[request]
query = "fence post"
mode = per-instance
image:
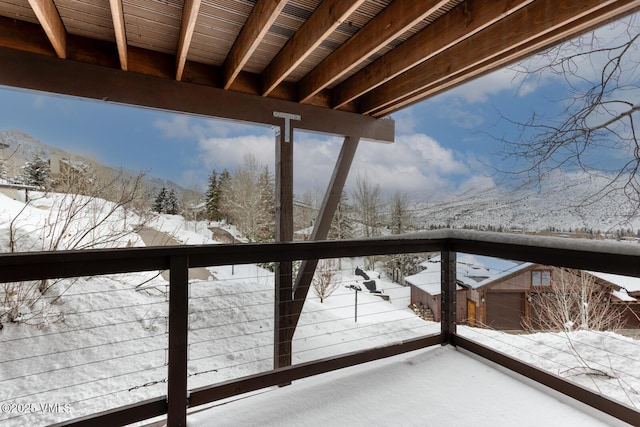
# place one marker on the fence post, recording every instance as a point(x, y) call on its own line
point(448, 301)
point(178, 330)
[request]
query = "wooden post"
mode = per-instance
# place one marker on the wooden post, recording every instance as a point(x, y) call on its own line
point(323, 223)
point(178, 331)
point(448, 302)
point(284, 233)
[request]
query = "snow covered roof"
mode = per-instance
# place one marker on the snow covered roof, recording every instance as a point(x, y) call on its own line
point(631, 284)
point(509, 271)
point(472, 271)
point(623, 296)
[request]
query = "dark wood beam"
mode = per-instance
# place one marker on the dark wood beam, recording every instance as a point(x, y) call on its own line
point(189, 17)
point(320, 25)
point(49, 18)
point(283, 328)
point(117, 15)
point(323, 224)
point(393, 21)
point(50, 74)
point(262, 16)
point(537, 26)
point(462, 22)
point(177, 373)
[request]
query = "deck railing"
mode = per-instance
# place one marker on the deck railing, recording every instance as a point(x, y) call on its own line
point(593, 255)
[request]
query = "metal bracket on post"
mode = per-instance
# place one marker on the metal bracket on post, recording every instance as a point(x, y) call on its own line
point(448, 303)
point(287, 122)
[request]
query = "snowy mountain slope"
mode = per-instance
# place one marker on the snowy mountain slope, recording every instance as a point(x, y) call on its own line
point(22, 147)
point(564, 202)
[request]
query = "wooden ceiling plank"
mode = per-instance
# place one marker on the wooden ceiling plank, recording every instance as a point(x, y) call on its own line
point(324, 20)
point(117, 15)
point(394, 20)
point(538, 25)
point(462, 22)
point(262, 16)
point(49, 18)
point(189, 17)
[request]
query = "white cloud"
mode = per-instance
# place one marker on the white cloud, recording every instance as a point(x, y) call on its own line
point(176, 126)
point(414, 164)
point(230, 152)
point(184, 126)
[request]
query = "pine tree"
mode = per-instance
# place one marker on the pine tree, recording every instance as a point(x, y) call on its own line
point(160, 202)
point(37, 172)
point(267, 206)
point(171, 203)
point(213, 197)
point(224, 193)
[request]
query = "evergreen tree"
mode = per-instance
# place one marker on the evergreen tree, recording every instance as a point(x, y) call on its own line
point(213, 197)
point(267, 206)
point(160, 202)
point(37, 172)
point(224, 194)
point(171, 205)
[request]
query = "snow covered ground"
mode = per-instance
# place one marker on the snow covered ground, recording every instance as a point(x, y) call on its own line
point(97, 343)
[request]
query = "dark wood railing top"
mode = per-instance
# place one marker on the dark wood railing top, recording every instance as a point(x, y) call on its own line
point(596, 255)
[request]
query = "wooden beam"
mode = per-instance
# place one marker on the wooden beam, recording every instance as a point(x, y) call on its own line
point(320, 25)
point(393, 21)
point(49, 18)
point(283, 331)
point(323, 224)
point(189, 17)
point(262, 16)
point(462, 22)
point(117, 15)
point(46, 73)
point(539, 25)
point(177, 397)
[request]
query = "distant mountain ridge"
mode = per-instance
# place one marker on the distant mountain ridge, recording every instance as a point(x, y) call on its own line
point(555, 204)
point(19, 147)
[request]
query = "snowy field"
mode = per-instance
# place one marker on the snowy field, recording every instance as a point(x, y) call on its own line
point(97, 343)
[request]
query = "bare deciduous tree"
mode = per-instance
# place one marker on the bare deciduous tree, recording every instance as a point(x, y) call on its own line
point(247, 200)
point(401, 217)
point(325, 280)
point(573, 301)
point(596, 133)
point(368, 205)
point(93, 212)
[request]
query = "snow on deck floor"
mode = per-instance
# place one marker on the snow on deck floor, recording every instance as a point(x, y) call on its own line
point(434, 387)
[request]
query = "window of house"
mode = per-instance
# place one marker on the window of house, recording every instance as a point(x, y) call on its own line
point(541, 278)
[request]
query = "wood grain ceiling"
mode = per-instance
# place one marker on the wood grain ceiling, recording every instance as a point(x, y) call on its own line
point(370, 57)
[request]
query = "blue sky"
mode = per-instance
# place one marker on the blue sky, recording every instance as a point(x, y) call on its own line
point(445, 143)
point(438, 144)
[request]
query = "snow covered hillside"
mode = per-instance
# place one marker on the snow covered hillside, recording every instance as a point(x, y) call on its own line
point(563, 202)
